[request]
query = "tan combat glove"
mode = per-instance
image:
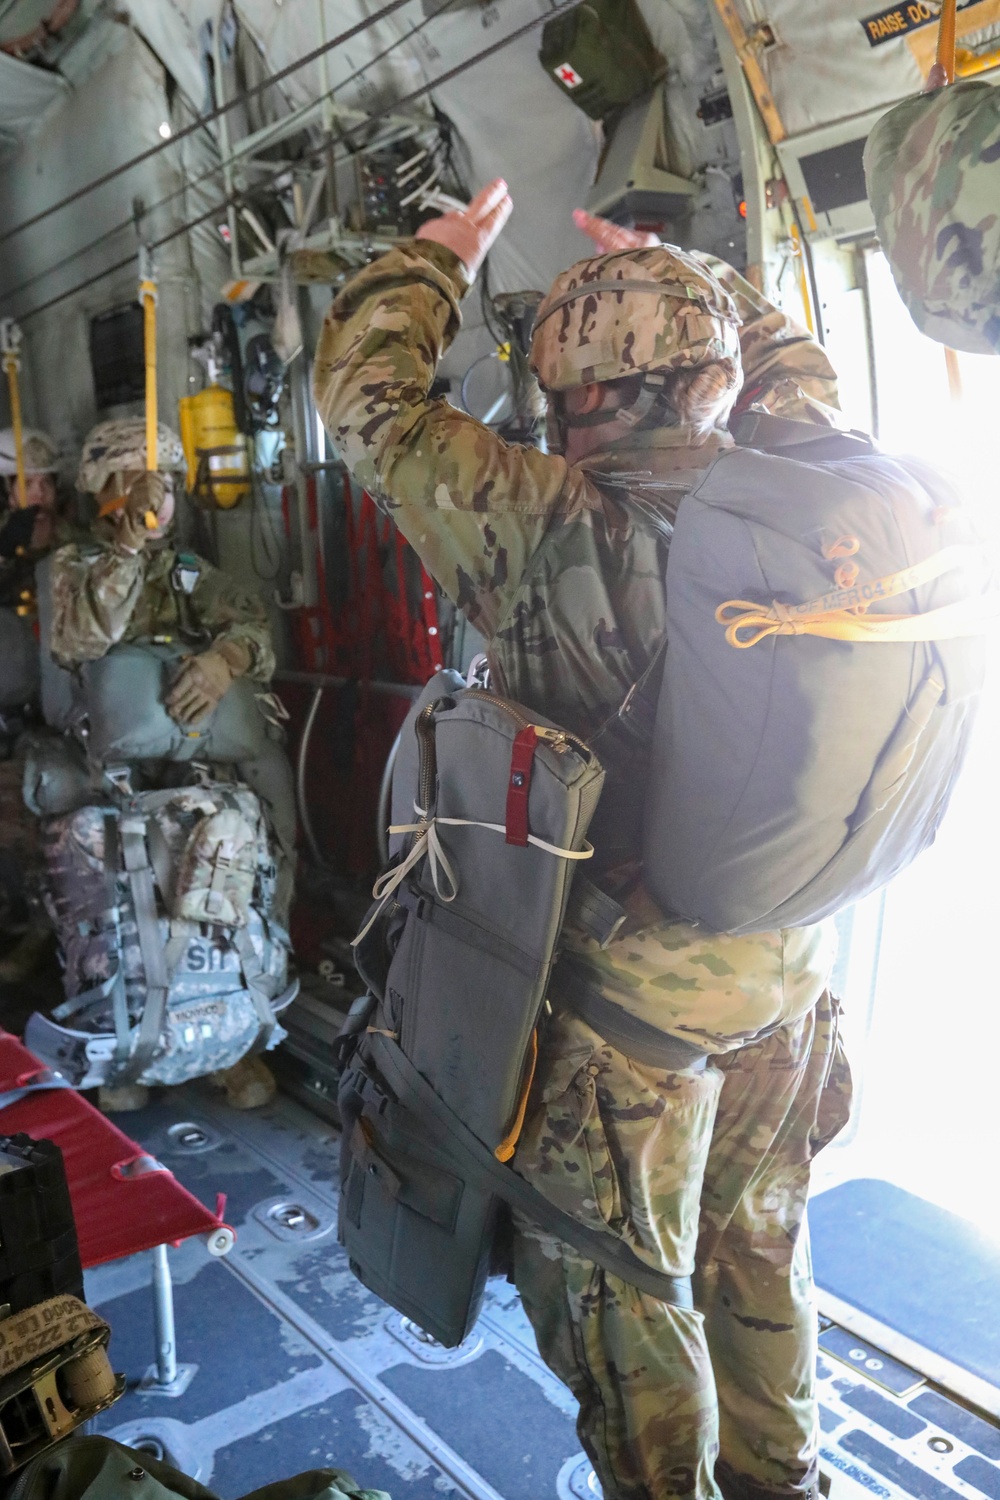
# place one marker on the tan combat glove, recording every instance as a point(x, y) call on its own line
point(204, 680)
point(146, 497)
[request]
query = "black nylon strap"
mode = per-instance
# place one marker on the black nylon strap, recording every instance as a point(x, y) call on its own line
point(629, 1034)
point(477, 1164)
point(426, 909)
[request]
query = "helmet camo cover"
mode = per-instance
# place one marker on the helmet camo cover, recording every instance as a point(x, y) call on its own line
point(645, 311)
point(119, 445)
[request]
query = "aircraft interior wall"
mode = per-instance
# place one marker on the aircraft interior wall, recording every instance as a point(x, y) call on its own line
point(286, 1359)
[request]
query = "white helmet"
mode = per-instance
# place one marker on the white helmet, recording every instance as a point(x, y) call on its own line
point(120, 445)
point(40, 452)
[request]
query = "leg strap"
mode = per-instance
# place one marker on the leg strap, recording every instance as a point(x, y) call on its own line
point(634, 1037)
point(476, 1164)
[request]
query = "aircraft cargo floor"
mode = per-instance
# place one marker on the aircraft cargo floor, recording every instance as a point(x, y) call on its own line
point(299, 1367)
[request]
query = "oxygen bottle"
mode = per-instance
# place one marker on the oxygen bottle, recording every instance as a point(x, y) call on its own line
point(215, 449)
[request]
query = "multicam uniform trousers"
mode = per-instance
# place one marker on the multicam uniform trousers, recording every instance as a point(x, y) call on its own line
point(701, 1172)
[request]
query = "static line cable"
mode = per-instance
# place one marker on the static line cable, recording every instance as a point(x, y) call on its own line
point(374, 119)
point(189, 186)
point(122, 265)
point(215, 114)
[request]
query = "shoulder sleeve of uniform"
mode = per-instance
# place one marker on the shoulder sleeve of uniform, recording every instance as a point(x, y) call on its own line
point(473, 507)
point(230, 612)
point(785, 369)
point(94, 592)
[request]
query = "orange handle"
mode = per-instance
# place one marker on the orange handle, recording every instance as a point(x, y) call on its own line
point(946, 38)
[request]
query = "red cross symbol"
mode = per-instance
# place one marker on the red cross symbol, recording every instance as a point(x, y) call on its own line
point(568, 75)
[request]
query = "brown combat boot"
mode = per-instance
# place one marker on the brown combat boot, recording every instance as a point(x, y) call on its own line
point(248, 1083)
point(122, 1099)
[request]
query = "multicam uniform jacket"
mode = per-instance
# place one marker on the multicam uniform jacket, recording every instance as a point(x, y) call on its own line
point(565, 581)
point(102, 596)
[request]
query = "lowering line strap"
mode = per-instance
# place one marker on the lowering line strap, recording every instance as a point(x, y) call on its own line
point(478, 1166)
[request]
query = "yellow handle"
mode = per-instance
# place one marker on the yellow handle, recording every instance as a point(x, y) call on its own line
point(147, 292)
point(11, 364)
point(507, 1146)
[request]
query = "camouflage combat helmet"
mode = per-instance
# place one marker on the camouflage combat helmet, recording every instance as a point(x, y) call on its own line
point(119, 446)
point(933, 170)
point(648, 311)
point(40, 452)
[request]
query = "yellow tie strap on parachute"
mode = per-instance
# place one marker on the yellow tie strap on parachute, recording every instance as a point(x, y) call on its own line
point(427, 843)
point(842, 614)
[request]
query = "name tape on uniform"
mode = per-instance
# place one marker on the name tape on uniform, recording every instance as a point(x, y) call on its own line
point(898, 20)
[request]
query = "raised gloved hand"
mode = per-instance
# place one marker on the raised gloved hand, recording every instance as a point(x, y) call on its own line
point(608, 237)
point(18, 530)
point(150, 495)
point(472, 232)
point(204, 680)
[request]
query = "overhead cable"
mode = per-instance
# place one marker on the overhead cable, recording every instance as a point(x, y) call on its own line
point(409, 98)
point(213, 171)
point(199, 124)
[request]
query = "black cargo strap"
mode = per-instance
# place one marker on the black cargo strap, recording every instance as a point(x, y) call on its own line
point(476, 1164)
point(620, 1029)
point(629, 729)
point(757, 428)
point(140, 875)
point(598, 914)
point(427, 909)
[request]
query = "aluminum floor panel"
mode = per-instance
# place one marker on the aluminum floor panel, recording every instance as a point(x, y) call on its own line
point(300, 1367)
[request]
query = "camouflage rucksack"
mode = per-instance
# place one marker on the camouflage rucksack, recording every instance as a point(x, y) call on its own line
point(175, 964)
point(101, 1469)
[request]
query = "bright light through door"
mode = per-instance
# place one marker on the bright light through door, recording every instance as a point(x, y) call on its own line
point(929, 1116)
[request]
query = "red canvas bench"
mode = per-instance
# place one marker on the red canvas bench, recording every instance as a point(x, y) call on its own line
point(123, 1200)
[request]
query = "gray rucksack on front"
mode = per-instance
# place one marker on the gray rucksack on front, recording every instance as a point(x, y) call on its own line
point(793, 773)
point(458, 957)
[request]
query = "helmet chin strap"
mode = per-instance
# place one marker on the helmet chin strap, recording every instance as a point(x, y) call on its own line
point(648, 403)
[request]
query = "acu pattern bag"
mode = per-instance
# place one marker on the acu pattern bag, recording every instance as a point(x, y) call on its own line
point(175, 966)
point(458, 954)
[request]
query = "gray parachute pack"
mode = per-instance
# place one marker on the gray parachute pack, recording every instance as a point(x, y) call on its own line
point(826, 616)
